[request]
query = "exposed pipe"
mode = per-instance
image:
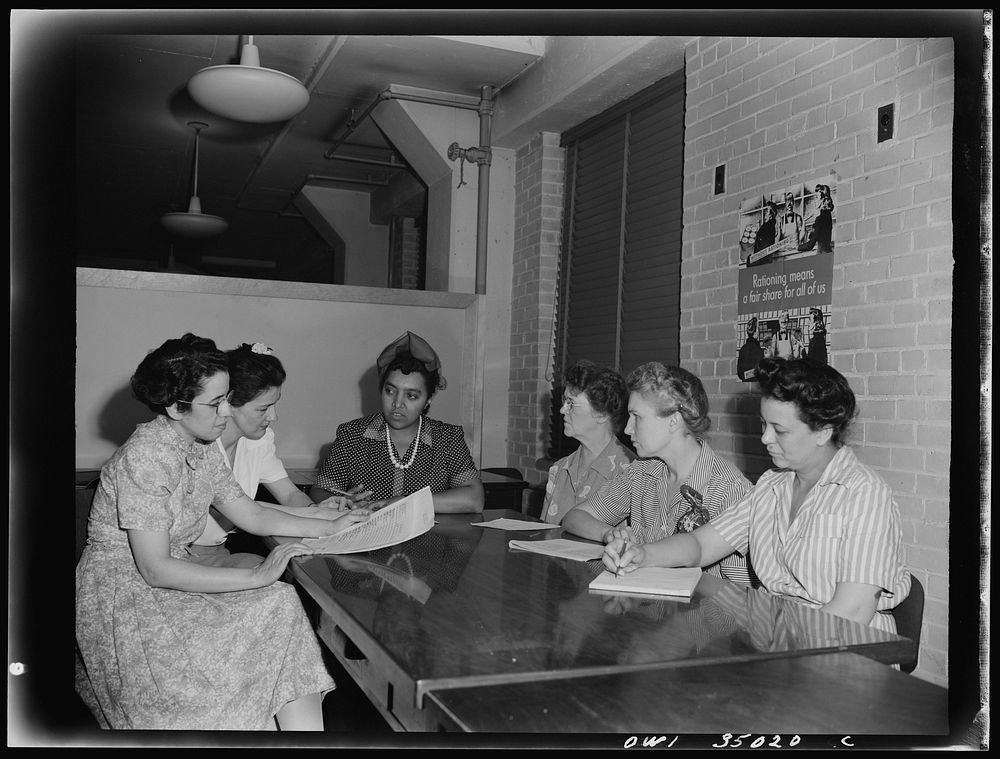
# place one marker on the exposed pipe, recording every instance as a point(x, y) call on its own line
point(482, 156)
point(390, 164)
point(325, 178)
point(483, 210)
point(355, 123)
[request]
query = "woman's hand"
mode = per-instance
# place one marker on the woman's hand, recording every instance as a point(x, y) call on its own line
point(621, 556)
point(358, 497)
point(340, 521)
point(376, 505)
point(274, 565)
point(621, 532)
point(338, 502)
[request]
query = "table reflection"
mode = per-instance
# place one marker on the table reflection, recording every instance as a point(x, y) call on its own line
point(457, 603)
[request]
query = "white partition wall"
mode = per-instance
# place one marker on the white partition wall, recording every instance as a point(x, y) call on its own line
point(327, 337)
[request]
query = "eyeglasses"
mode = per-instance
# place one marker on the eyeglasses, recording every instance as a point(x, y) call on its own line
point(215, 405)
point(573, 405)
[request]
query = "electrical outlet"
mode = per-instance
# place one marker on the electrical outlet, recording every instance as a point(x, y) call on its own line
point(885, 119)
point(720, 179)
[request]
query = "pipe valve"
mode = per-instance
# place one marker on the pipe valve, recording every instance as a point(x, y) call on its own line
point(478, 156)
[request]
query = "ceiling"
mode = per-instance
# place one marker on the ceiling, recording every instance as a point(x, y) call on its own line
point(135, 148)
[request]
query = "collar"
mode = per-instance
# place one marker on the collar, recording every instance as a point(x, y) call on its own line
point(193, 451)
point(701, 473)
point(840, 467)
point(603, 464)
point(837, 472)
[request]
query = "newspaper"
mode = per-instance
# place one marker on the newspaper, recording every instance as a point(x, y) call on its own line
point(405, 519)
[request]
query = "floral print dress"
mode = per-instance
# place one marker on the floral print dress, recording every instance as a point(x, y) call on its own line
point(158, 658)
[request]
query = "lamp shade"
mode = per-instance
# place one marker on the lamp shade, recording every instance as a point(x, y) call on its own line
point(194, 223)
point(248, 92)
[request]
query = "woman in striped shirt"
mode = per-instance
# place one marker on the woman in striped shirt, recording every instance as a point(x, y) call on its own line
point(821, 527)
point(678, 483)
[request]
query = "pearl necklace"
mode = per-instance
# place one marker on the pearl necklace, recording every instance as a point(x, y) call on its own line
point(416, 445)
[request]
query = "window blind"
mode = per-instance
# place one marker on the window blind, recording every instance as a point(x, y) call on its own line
point(619, 290)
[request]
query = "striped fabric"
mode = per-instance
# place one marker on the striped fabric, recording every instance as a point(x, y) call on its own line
point(847, 530)
point(641, 495)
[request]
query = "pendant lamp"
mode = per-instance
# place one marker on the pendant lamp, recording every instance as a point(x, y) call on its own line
point(248, 92)
point(194, 223)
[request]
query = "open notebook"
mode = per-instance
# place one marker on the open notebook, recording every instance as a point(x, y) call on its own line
point(658, 581)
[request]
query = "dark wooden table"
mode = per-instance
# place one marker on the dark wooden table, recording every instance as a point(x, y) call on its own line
point(821, 694)
point(455, 608)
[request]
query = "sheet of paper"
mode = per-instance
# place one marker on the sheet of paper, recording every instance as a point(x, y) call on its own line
point(516, 524)
point(563, 549)
point(660, 581)
point(389, 526)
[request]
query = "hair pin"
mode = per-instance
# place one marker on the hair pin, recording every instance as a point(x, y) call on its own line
point(261, 349)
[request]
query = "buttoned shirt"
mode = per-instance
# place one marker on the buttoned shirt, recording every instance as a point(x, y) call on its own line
point(847, 530)
point(571, 483)
point(360, 458)
point(655, 510)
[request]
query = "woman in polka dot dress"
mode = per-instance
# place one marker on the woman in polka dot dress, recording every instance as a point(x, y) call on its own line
point(400, 450)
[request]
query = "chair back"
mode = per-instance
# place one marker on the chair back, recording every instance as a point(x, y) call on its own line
point(84, 498)
point(505, 471)
point(909, 616)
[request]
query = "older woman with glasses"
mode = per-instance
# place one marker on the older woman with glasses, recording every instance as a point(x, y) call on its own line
point(678, 484)
point(593, 411)
point(158, 633)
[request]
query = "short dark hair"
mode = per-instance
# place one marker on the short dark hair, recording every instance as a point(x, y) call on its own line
point(252, 373)
point(407, 364)
point(821, 394)
point(676, 389)
point(604, 387)
point(175, 372)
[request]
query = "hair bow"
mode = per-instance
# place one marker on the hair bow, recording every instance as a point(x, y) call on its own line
point(413, 344)
point(261, 349)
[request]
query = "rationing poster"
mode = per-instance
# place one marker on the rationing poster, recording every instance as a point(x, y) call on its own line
point(786, 275)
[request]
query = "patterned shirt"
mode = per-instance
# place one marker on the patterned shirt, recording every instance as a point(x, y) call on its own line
point(641, 495)
point(570, 483)
point(359, 457)
point(847, 530)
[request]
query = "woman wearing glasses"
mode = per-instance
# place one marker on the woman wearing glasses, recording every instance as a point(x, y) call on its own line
point(156, 632)
point(255, 379)
point(593, 412)
point(678, 483)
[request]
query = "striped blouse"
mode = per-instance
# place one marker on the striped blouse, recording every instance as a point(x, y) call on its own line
point(847, 530)
point(641, 494)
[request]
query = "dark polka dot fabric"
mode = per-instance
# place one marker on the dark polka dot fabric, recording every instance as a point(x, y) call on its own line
point(359, 457)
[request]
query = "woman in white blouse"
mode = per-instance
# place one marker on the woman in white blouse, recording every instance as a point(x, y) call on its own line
point(821, 527)
point(255, 379)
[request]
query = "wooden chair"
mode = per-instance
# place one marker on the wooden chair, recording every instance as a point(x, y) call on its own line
point(909, 616)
